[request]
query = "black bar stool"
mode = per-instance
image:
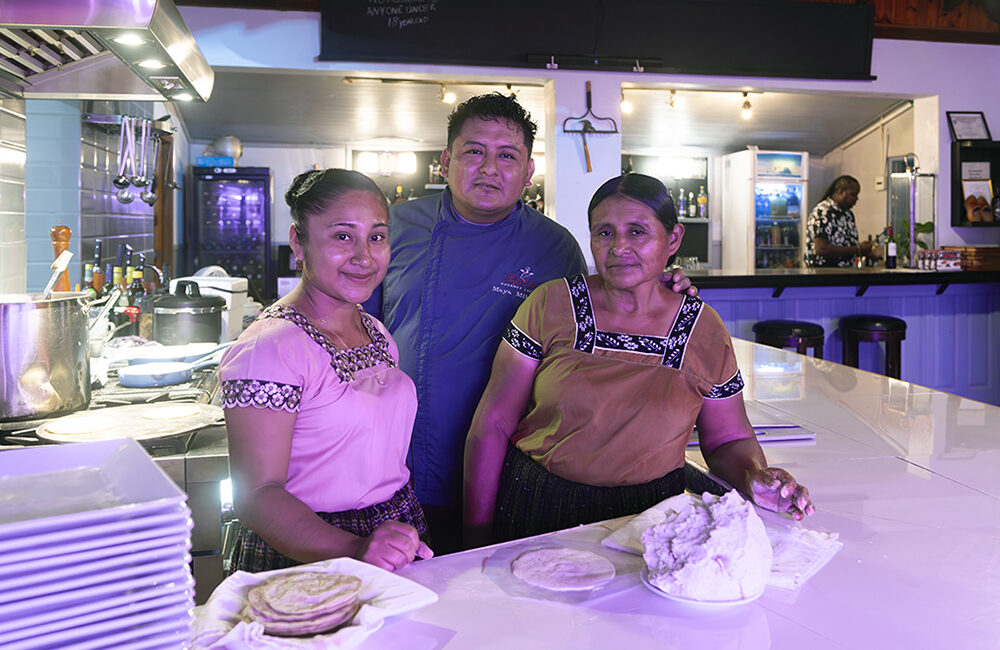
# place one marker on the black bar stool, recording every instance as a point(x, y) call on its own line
point(790, 334)
point(874, 328)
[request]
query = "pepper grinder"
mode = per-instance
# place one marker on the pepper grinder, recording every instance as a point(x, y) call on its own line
point(60, 242)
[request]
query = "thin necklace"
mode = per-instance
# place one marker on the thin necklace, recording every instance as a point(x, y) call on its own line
point(378, 378)
point(335, 335)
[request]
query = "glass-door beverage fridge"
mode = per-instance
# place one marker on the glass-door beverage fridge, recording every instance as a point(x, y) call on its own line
point(228, 224)
point(764, 201)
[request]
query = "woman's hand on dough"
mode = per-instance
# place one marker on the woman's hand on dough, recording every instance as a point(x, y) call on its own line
point(392, 546)
point(775, 489)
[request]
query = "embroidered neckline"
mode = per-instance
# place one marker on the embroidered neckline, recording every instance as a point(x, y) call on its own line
point(345, 362)
point(669, 348)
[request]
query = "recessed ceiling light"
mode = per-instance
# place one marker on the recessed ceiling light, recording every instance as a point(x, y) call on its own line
point(129, 39)
point(151, 64)
point(183, 97)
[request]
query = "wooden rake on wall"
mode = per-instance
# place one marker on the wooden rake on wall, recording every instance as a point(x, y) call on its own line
point(585, 124)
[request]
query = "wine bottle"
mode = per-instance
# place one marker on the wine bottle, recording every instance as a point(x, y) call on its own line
point(109, 282)
point(135, 288)
point(99, 278)
point(890, 250)
point(88, 281)
point(692, 207)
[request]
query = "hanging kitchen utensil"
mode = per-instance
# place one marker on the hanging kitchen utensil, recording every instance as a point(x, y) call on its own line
point(124, 194)
point(149, 194)
point(121, 181)
point(139, 178)
point(584, 124)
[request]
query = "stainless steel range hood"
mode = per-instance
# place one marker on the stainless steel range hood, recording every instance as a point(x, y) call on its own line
point(137, 50)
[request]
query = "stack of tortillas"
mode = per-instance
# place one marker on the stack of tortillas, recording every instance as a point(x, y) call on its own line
point(303, 602)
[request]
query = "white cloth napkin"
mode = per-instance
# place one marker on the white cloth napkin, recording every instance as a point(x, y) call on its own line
point(218, 623)
point(798, 552)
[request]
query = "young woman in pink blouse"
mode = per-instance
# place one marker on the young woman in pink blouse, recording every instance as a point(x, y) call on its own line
point(318, 414)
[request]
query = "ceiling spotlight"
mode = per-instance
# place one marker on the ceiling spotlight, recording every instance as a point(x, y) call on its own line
point(184, 97)
point(129, 38)
point(625, 105)
point(746, 110)
point(447, 96)
point(151, 64)
point(671, 98)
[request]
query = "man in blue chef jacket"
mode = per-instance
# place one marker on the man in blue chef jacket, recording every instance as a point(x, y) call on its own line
point(462, 262)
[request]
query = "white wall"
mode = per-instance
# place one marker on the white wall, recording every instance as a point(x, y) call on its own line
point(864, 158)
point(951, 76)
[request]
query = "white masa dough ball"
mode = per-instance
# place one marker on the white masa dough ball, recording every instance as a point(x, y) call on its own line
point(714, 549)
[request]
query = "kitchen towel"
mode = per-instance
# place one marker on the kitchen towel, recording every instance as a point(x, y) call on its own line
point(798, 552)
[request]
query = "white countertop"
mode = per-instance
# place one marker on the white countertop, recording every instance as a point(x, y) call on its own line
point(908, 477)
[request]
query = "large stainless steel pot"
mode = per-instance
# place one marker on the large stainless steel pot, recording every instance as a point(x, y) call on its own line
point(44, 355)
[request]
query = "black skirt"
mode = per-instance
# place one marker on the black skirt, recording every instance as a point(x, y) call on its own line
point(251, 553)
point(532, 501)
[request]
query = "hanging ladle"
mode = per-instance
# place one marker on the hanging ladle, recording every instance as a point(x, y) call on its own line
point(149, 194)
point(124, 194)
point(139, 178)
point(121, 181)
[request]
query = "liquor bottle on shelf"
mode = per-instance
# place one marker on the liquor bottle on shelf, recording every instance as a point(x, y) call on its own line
point(109, 283)
point(692, 206)
point(135, 288)
point(116, 279)
point(628, 167)
point(890, 250)
point(99, 278)
point(681, 204)
point(88, 281)
point(398, 196)
point(702, 203)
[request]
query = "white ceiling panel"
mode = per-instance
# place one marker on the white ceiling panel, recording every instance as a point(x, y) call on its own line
point(317, 109)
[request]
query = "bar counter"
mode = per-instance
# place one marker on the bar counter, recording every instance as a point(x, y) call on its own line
point(952, 317)
point(780, 279)
point(905, 475)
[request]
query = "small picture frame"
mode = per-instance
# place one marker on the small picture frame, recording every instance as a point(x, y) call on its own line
point(968, 125)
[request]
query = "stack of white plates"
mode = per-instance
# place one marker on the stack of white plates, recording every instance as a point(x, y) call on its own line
point(95, 547)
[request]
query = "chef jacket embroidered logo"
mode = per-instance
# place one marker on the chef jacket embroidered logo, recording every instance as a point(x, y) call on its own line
point(516, 283)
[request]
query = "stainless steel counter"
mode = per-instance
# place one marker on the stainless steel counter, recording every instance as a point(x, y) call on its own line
point(199, 473)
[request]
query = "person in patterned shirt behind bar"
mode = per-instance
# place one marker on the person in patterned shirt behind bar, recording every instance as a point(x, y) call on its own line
point(831, 232)
point(594, 392)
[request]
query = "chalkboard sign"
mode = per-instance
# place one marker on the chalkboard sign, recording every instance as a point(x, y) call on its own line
point(727, 37)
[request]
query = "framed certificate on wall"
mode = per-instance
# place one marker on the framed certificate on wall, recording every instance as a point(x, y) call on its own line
point(968, 125)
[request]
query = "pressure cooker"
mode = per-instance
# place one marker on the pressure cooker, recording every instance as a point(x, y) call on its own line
point(186, 316)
